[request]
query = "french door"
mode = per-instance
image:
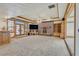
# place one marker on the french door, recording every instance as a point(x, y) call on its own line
point(11, 27)
point(20, 29)
point(17, 29)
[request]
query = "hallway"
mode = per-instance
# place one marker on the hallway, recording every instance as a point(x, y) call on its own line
point(35, 46)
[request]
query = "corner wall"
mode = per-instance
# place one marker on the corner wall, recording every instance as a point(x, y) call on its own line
point(77, 31)
point(69, 27)
point(3, 24)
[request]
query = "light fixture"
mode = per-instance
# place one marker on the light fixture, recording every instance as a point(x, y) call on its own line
point(51, 6)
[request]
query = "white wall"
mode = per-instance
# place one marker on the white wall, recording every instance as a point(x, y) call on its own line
point(70, 35)
point(70, 26)
point(70, 32)
point(77, 27)
point(3, 23)
point(3, 14)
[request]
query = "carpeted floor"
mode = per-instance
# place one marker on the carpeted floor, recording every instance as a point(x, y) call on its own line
point(35, 46)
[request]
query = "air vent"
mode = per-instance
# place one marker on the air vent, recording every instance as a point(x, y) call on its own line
point(51, 6)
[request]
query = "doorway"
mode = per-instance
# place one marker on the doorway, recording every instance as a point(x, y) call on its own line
point(20, 29)
point(11, 27)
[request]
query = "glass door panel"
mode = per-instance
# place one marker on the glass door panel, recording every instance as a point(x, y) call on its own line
point(22, 29)
point(11, 28)
point(18, 30)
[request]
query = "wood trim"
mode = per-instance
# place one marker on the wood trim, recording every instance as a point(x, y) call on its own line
point(32, 21)
point(66, 10)
point(22, 20)
point(70, 8)
point(51, 21)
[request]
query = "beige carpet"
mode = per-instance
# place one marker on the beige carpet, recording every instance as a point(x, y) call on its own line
point(35, 46)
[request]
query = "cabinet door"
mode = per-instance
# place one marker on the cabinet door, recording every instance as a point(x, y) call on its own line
point(59, 28)
point(6, 37)
point(1, 37)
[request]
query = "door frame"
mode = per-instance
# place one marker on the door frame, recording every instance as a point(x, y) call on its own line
point(20, 29)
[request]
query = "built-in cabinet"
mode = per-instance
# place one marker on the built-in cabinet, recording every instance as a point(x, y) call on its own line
point(46, 28)
point(57, 29)
point(4, 37)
